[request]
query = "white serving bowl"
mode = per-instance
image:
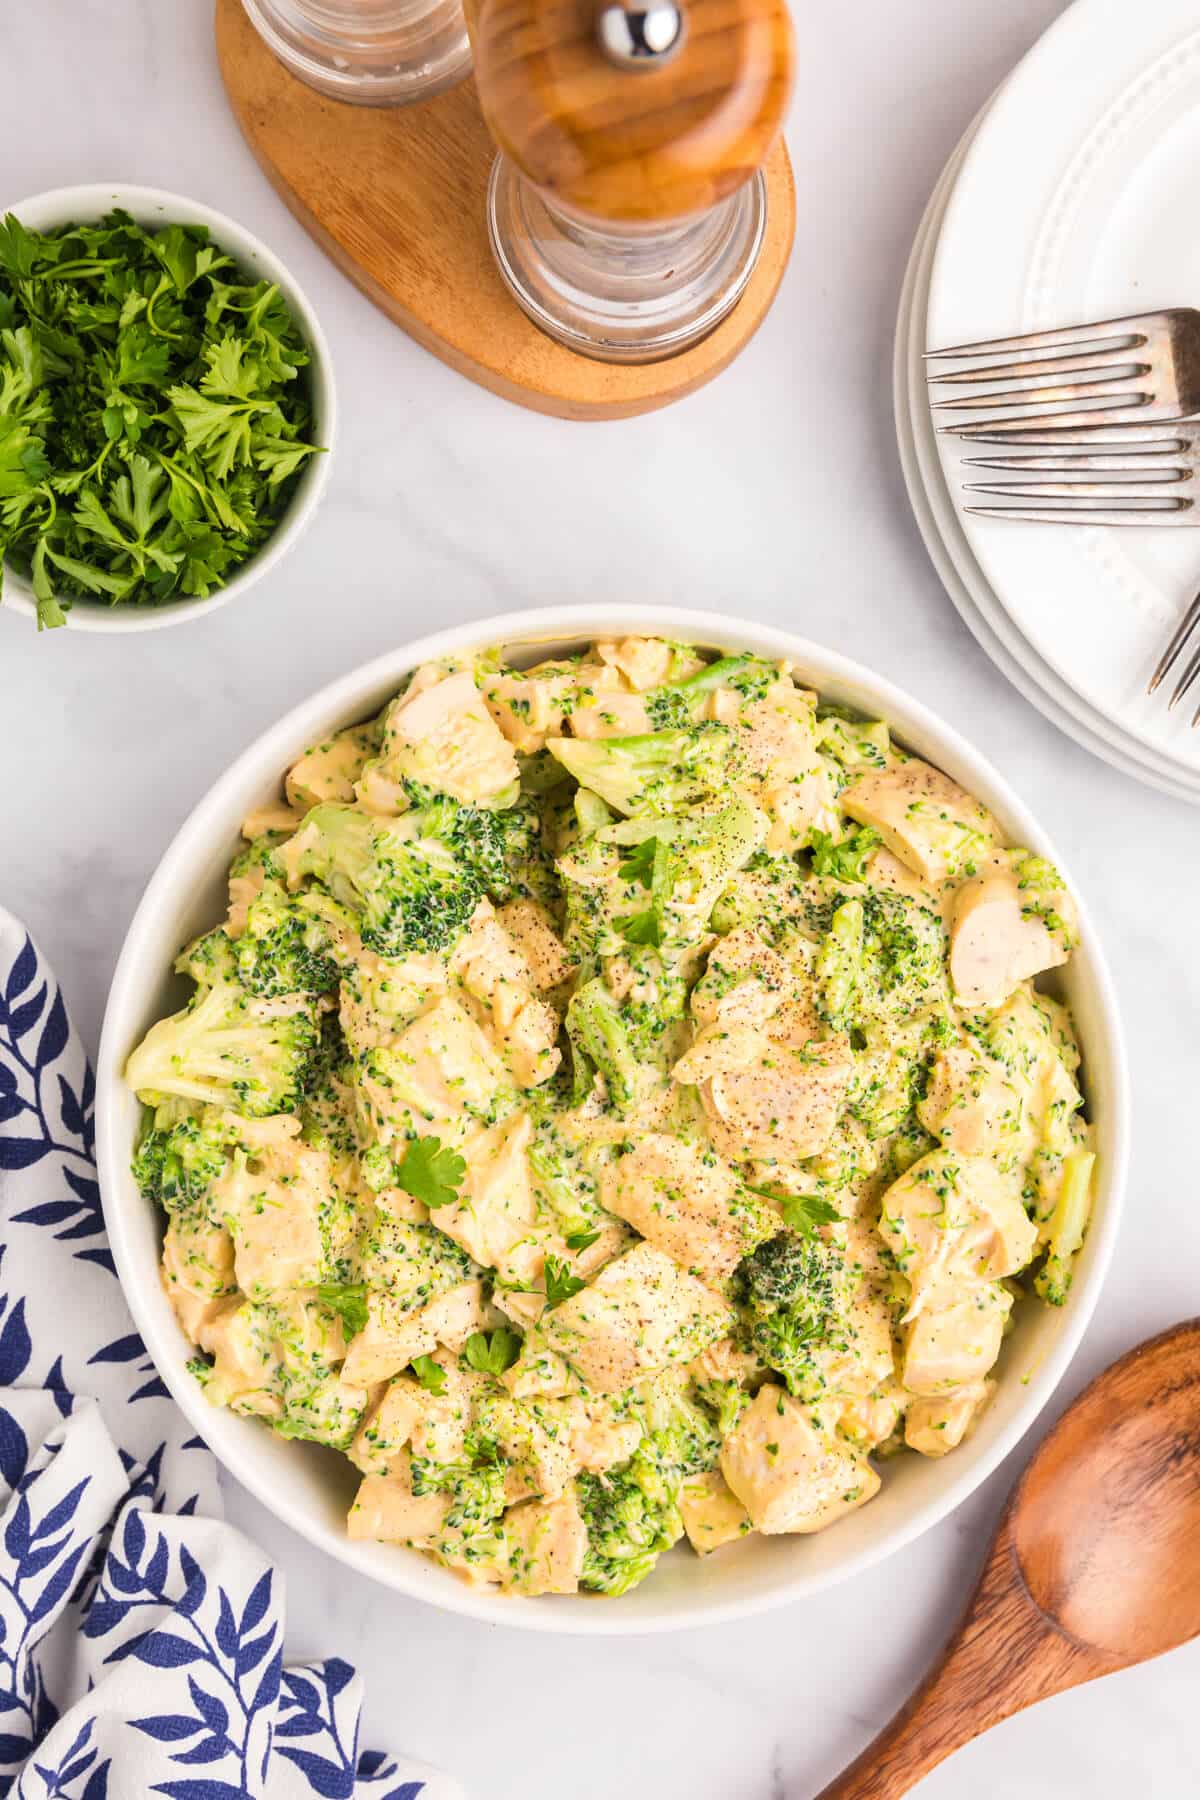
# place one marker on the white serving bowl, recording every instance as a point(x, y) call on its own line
point(154, 207)
point(310, 1488)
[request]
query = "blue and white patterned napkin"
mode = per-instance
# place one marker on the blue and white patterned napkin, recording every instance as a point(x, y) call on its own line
point(141, 1638)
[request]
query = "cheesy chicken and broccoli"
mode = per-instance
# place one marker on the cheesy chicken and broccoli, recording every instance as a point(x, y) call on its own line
point(616, 1106)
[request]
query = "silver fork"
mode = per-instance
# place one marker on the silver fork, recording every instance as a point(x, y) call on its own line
point(1172, 653)
point(1145, 468)
point(1149, 362)
point(1122, 475)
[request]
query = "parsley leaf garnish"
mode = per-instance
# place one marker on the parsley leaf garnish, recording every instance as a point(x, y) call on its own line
point(560, 1283)
point(638, 863)
point(490, 1353)
point(802, 1213)
point(430, 1374)
point(430, 1173)
point(581, 1240)
point(349, 1300)
point(641, 928)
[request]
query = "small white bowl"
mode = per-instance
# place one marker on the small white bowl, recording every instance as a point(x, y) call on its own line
point(310, 1488)
point(154, 207)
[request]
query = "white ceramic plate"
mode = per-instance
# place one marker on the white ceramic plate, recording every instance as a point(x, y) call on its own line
point(951, 553)
point(308, 1488)
point(1074, 203)
point(153, 207)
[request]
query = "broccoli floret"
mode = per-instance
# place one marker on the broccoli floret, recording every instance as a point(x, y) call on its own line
point(677, 703)
point(209, 959)
point(627, 1530)
point(288, 947)
point(228, 1049)
point(475, 1482)
point(600, 1038)
point(661, 771)
point(177, 1160)
point(687, 861)
point(787, 1297)
point(410, 892)
point(1068, 1228)
point(844, 859)
point(501, 848)
point(259, 854)
point(632, 1514)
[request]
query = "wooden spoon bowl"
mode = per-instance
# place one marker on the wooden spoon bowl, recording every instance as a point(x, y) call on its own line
point(1095, 1567)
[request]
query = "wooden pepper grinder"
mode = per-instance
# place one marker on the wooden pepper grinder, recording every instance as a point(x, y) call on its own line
point(627, 205)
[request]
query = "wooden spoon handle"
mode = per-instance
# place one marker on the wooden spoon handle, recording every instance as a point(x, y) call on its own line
point(1006, 1655)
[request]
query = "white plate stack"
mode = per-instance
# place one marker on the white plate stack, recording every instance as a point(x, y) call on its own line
point(1071, 198)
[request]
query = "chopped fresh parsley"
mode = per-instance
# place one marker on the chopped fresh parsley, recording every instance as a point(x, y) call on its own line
point(581, 1240)
point(154, 412)
point(430, 1173)
point(638, 863)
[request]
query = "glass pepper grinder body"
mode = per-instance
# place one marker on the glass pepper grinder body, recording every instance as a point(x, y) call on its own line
point(627, 206)
point(369, 52)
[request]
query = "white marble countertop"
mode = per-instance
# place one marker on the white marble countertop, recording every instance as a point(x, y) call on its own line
point(775, 492)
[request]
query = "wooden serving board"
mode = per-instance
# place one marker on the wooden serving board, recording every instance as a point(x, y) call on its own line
point(396, 196)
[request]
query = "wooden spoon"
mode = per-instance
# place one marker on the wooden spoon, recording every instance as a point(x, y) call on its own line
point(1095, 1567)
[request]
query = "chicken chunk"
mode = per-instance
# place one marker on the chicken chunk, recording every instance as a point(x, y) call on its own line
point(783, 769)
point(531, 929)
point(546, 1542)
point(924, 818)
point(648, 662)
point(1005, 930)
point(395, 1332)
point(499, 983)
point(952, 1346)
point(440, 1068)
point(974, 1107)
point(530, 705)
point(689, 1203)
point(936, 1426)
point(445, 737)
point(385, 1508)
point(789, 1473)
point(273, 1194)
point(711, 1512)
point(787, 1107)
point(641, 1314)
point(495, 1208)
point(329, 771)
point(952, 1221)
point(388, 1426)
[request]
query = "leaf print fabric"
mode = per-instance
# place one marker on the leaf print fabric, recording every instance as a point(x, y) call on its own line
point(141, 1638)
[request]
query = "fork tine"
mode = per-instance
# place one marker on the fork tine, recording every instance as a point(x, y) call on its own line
point(1187, 625)
point(1107, 389)
point(1120, 464)
point(1130, 491)
point(1108, 332)
point(1180, 513)
point(1022, 430)
point(1046, 365)
point(1161, 435)
point(1187, 680)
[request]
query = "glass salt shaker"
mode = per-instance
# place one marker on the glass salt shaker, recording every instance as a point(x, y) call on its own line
point(370, 52)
